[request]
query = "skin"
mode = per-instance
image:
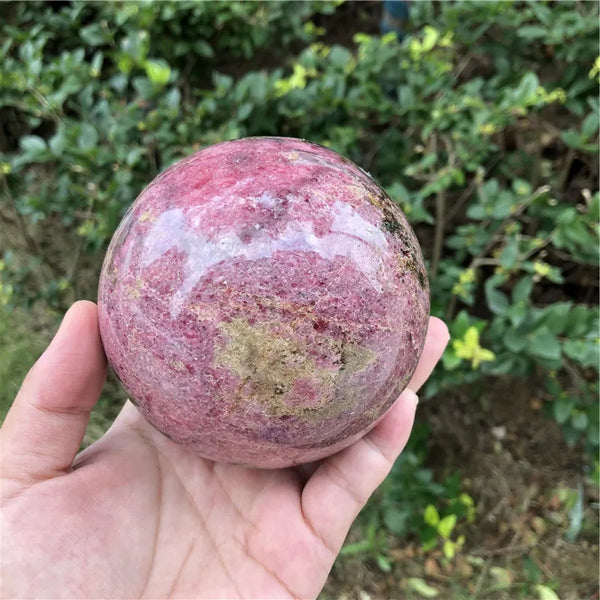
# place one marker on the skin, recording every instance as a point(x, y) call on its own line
point(136, 516)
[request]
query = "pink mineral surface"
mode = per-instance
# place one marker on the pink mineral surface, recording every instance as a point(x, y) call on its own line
point(263, 302)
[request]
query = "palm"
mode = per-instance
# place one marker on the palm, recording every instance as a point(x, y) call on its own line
point(138, 516)
point(206, 529)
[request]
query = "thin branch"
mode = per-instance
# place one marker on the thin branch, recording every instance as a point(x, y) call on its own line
point(495, 239)
point(456, 206)
point(517, 549)
point(480, 581)
point(438, 240)
point(440, 221)
point(566, 169)
point(42, 100)
point(31, 243)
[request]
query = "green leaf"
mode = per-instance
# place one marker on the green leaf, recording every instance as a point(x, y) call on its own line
point(515, 340)
point(58, 142)
point(93, 34)
point(521, 187)
point(496, 300)
point(384, 563)
point(88, 137)
point(522, 289)
point(446, 525)
point(421, 587)
point(527, 88)
point(395, 520)
point(406, 96)
point(576, 516)
point(461, 324)
point(532, 571)
point(585, 352)
point(532, 32)
point(96, 64)
point(173, 98)
point(579, 320)
point(572, 138)
point(431, 515)
point(503, 206)
point(449, 359)
point(144, 87)
point(32, 144)
point(561, 409)
point(517, 313)
point(124, 63)
point(136, 46)
point(356, 548)
point(339, 56)
point(134, 155)
point(204, 49)
point(510, 254)
point(244, 111)
point(488, 191)
point(158, 71)
point(555, 317)
point(544, 344)
point(579, 421)
point(590, 125)
point(477, 212)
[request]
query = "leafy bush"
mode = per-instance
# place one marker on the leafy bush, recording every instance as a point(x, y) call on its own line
point(482, 124)
point(19, 348)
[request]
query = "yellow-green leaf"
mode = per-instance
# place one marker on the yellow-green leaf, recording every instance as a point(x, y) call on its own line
point(431, 515)
point(446, 525)
point(503, 577)
point(421, 587)
point(545, 593)
point(158, 71)
point(449, 549)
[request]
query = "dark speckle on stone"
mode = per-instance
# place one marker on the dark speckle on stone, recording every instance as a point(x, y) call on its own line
point(391, 225)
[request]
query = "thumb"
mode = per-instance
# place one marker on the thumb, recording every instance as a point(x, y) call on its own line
point(44, 428)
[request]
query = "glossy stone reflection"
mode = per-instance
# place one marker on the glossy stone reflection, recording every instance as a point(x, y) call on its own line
point(263, 302)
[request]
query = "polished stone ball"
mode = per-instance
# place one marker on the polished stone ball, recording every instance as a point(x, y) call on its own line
point(264, 302)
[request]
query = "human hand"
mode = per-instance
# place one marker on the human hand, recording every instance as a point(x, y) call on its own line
point(137, 516)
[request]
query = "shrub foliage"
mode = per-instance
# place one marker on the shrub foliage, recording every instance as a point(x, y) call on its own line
point(482, 125)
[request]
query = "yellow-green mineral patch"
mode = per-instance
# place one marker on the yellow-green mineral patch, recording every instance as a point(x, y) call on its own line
point(356, 358)
point(271, 363)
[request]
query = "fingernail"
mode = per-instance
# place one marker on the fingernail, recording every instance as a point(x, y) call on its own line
point(411, 396)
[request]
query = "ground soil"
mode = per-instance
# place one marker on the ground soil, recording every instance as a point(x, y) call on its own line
point(513, 460)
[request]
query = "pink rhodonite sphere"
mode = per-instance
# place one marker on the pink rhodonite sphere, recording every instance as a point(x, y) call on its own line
point(264, 302)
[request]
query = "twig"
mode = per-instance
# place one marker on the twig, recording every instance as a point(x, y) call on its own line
point(374, 150)
point(42, 100)
point(480, 581)
point(533, 251)
point(495, 239)
point(440, 217)
point(573, 372)
point(70, 273)
point(567, 168)
point(438, 240)
point(501, 551)
point(456, 206)
point(462, 66)
point(31, 243)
